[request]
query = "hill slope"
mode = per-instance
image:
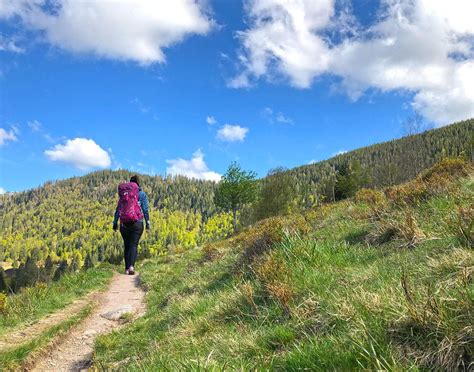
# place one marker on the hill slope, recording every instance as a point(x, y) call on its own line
point(72, 218)
point(392, 162)
point(378, 283)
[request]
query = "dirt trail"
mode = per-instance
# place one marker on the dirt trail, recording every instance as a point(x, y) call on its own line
point(74, 352)
point(30, 331)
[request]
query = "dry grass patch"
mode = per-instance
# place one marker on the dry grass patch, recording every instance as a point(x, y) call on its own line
point(401, 226)
point(439, 178)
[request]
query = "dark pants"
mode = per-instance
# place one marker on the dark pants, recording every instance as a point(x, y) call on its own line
point(131, 234)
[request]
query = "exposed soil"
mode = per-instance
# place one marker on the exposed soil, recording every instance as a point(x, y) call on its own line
point(74, 351)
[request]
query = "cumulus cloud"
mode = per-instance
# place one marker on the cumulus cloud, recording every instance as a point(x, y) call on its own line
point(8, 135)
point(135, 30)
point(424, 47)
point(81, 153)
point(232, 133)
point(2, 191)
point(196, 167)
point(211, 120)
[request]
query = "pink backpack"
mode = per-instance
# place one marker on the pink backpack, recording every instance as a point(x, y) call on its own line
point(128, 204)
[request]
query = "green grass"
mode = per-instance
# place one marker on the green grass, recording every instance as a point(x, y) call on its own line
point(14, 358)
point(35, 302)
point(327, 300)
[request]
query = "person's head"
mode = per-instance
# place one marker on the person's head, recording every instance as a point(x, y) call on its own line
point(135, 179)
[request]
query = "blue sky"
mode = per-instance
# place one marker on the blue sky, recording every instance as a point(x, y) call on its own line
point(188, 88)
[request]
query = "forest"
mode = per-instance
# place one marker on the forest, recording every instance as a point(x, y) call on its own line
point(66, 225)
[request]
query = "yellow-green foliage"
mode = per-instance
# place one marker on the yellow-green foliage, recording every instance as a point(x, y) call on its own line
point(217, 227)
point(371, 197)
point(449, 168)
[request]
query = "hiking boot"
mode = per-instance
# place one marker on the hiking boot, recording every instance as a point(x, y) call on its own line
point(127, 272)
point(131, 270)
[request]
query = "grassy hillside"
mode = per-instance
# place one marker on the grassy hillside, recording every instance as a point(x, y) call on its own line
point(383, 281)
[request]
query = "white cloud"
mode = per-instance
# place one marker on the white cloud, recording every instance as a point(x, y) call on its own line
point(139, 104)
point(135, 30)
point(194, 168)
point(8, 136)
point(340, 152)
point(211, 120)
point(2, 191)
point(278, 117)
point(232, 133)
point(34, 125)
point(425, 47)
point(7, 45)
point(82, 153)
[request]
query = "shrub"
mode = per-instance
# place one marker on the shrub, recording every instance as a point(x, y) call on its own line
point(274, 275)
point(257, 240)
point(433, 181)
point(210, 252)
point(464, 226)
point(375, 199)
point(408, 193)
point(403, 226)
point(318, 214)
point(452, 168)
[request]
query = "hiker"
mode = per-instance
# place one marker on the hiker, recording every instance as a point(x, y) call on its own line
point(132, 207)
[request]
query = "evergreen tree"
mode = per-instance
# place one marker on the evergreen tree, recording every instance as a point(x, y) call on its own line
point(31, 272)
point(3, 281)
point(46, 273)
point(350, 178)
point(74, 264)
point(88, 263)
point(20, 277)
point(237, 188)
point(61, 270)
point(278, 193)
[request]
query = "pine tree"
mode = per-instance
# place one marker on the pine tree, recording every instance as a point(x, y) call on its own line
point(47, 271)
point(88, 263)
point(20, 277)
point(277, 194)
point(31, 272)
point(74, 264)
point(61, 270)
point(3, 282)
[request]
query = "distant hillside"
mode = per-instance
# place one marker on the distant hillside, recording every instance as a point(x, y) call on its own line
point(73, 217)
point(392, 162)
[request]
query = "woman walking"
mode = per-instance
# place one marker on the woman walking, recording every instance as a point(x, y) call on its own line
point(132, 208)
